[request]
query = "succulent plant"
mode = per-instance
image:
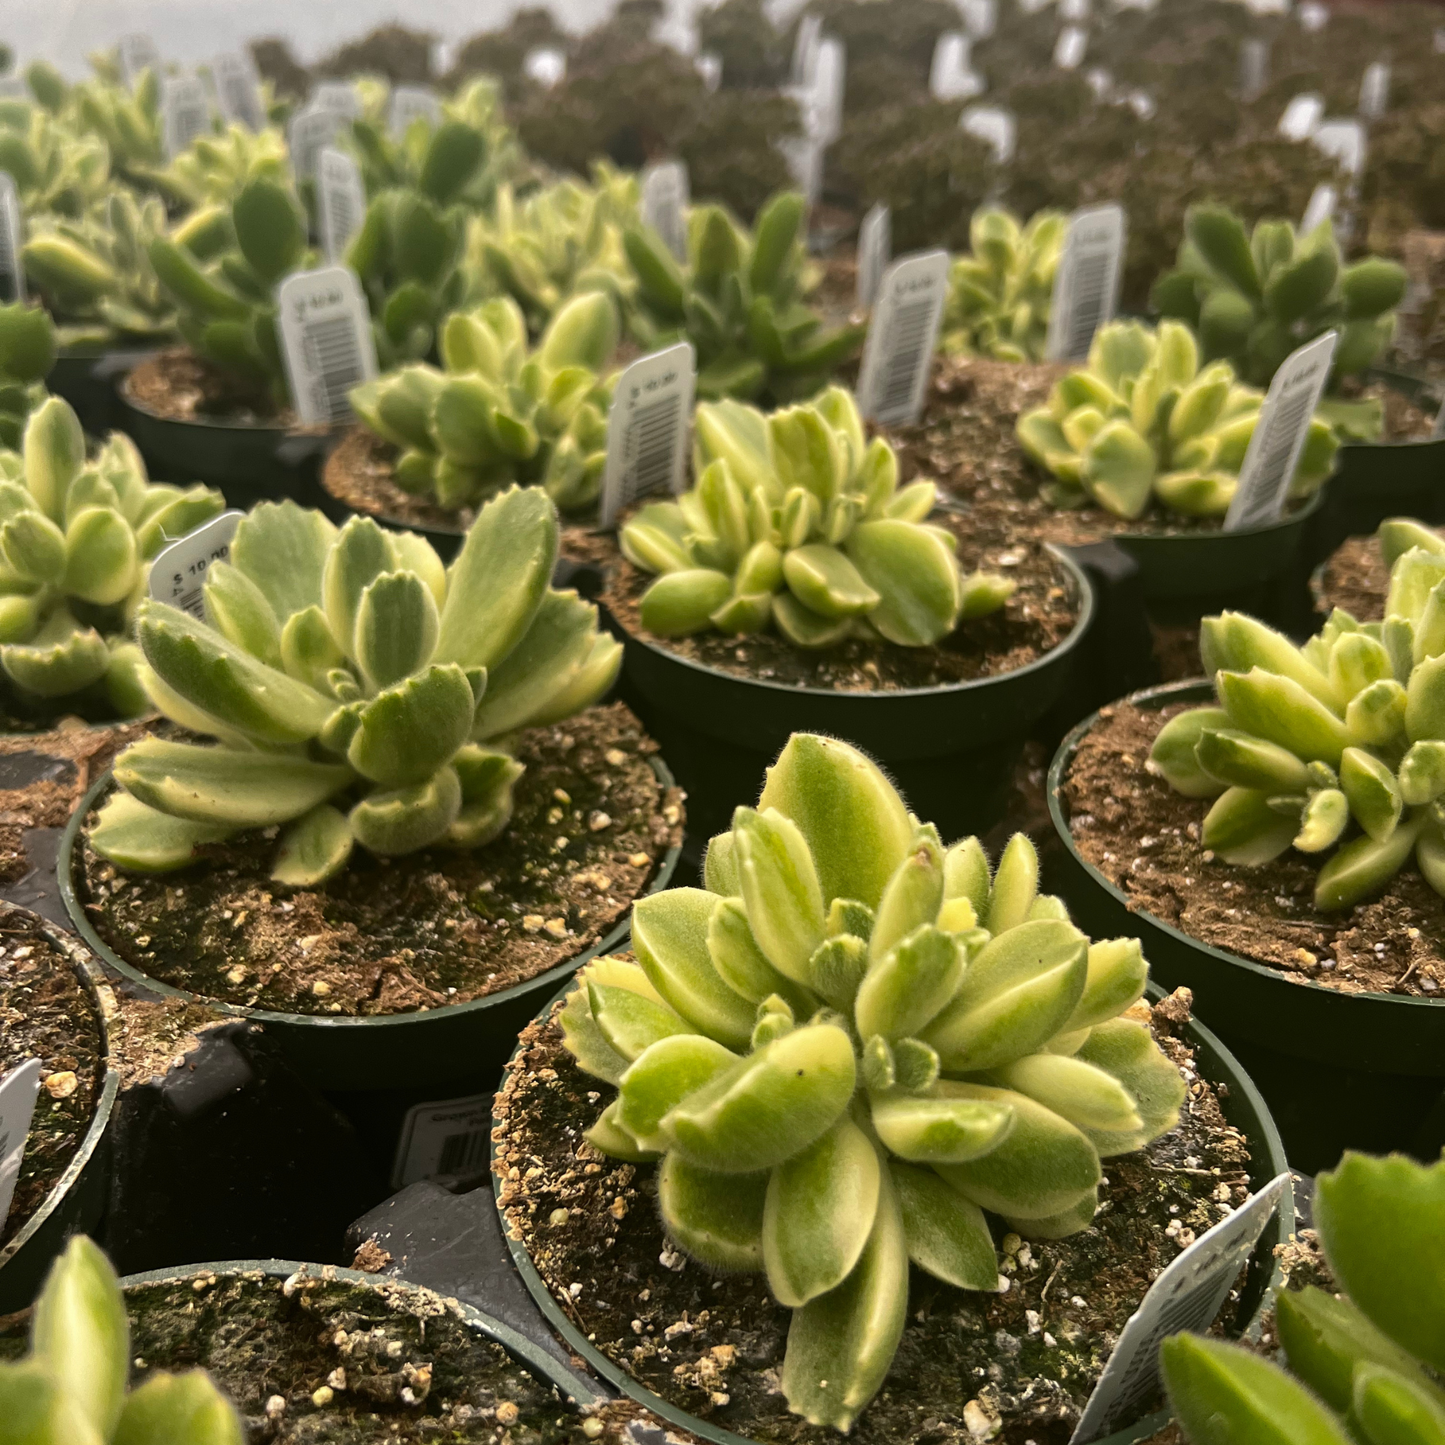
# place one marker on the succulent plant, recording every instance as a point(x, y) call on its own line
point(27, 352)
point(1142, 421)
point(1339, 742)
point(500, 413)
point(797, 520)
point(127, 120)
point(215, 168)
point(1364, 1364)
point(358, 691)
point(739, 300)
point(850, 1044)
point(1254, 298)
point(999, 297)
point(57, 171)
point(71, 1388)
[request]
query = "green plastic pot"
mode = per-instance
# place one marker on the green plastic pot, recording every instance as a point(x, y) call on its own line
point(86, 379)
point(1244, 1108)
point(409, 1052)
point(1340, 1070)
point(77, 1202)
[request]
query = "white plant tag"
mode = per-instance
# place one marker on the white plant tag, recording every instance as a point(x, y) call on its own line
point(413, 102)
point(341, 197)
point(949, 77)
point(710, 67)
point(875, 247)
point(1075, 12)
point(185, 112)
point(450, 1136)
point(1032, 7)
point(1069, 50)
point(546, 66)
point(980, 17)
point(804, 157)
point(1142, 104)
point(829, 75)
point(238, 90)
point(137, 53)
point(178, 573)
point(1344, 141)
point(326, 342)
point(1439, 41)
point(647, 428)
point(313, 128)
point(1189, 1293)
point(1253, 68)
point(1302, 116)
point(1100, 81)
point(1438, 430)
point(12, 237)
point(1313, 15)
point(996, 127)
point(665, 198)
point(1086, 286)
point(1279, 435)
point(805, 48)
point(1375, 90)
point(17, 1108)
point(901, 338)
point(1323, 200)
point(337, 95)
point(1269, 7)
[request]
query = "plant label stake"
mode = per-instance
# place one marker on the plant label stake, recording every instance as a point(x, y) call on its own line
point(980, 17)
point(647, 428)
point(178, 573)
point(17, 1107)
point(238, 90)
point(342, 199)
point(326, 342)
point(413, 102)
point(710, 67)
point(902, 337)
point(1253, 68)
point(546, 66)
point(1375, 90)
point(1323, 200)
point(829, 74)
point(1439, 42)
point(804, 157)
point(1437, 432)
point(185, 113)
point(313, 128)
point(1302, 116)
point(12, 271)
point(1069, 50)
point(665, 197)
point(339, 96)
point(1188, 1294)
point(1086, 286)
point(137, 53)
point(448, 1137)
point(995, 127)
point(1032, 7)
point(950, 77)
point(875, 245)
point(1279, 437)
point(1344, 141)
point(1075, 12)
point(805, 48)
point(1314, 16)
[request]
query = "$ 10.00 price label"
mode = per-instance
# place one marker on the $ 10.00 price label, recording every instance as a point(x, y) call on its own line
point(326, 342)
point(178, 574)
point(647, 429)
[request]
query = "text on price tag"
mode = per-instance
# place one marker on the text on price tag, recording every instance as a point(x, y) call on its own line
point(312, 130)
point(341, 198)
point(178, 574)
point(17, 1108)
point(647, 429)
point(137, 53)
point(1086, 285)
point(12, 237)
point(901, 338)
point(337, 95)
point(326, 342)
point(238, 90)
point(185, 113)
point(875, 248)
point(665, 197)
point(448, 1137)
point(413, 102)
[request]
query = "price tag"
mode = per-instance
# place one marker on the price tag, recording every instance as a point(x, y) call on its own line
point(1375, 90)
point(805, 48)
point(17, 1107)
point(1253, 68)
point(1279, 436)
point(710, 67)
point(313, 128)
point(137, 53)
point(178, 573)
point(341, 195)
point(980, 17)
point(1188, 1294)
point(238, 90)
point(449, 1137)
point(996, 127)
point(1344, 141)
point(326, 342)
point(1069, 49)
point(829, 74)
point(413, 102)
point(950, 77)
point(804, 157)
point(1439, 41)
point(12, 237)
point(1075, 12)
point(339, 96)
point(1086, 286)
point(185, 112)
point(1314, 16)
point(875, 246)
point(1100, 81)
point(1302, 116)
point(1323, 200)
point(901, 338)
point(1142, 104)
point(546, 66)
point(647, 428)
point(665, 197)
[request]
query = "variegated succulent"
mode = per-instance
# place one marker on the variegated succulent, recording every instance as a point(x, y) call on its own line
point(797, 522)
point(27, 352)
point(999, 297)
point(850, 1044)
point(357, 690)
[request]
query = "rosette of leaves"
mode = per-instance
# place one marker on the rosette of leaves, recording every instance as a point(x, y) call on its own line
point(57, 171)
point(127, 120)
point(27, 352)
point(1364, 1365)
point(1255, 297)
point(76, 540)
point(1336, 748)
point(357, 690)
point(850, 1044)
point(999, 296)
point(797, 521)
point(70, 1389)
point(500, 412)
point(739, 301)
point(1142, 421)
point(215, 168)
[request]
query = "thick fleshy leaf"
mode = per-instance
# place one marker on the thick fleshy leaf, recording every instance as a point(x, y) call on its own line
point(139, 838)
point(1242, 828)
point(1280, 710)
point(183, 1409)
point(59, 660)
point(717, 1218)
point(1241, 760)
point(1394, 1410)
point(683, 602)
point(522, 684)
point(395, 629)
point(402, 820)
point(581, 1034)
point(1174, 755)
point(613, 1140)
point(947, 1235)
point(941, 1127)
point(308, 651)
point(317, 846)
point(741, 964)
point(661, 1077)
point(361, 553)
point(911, 984)
point(238, 609)
point(1323, 822)
point(1117, 975)
point(1422, 773)
point(1235, 642)
point(102, 563)
point(282, 548)
point(966, 876)
point(807, 452)
point(1362, 866)
point(780, 889)
point(915, 575)
point(54, 451)
point(1373, 793)
point(1075, 1090)
point(825, 581)
point(912, 898)
point(409, 731)
point(37, 1411)
point(1015, 885)
point(1425, 701)
point(1127, 1050)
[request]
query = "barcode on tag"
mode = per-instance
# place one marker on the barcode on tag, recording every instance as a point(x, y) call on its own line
point(901, 338)
point(137, 53)
point(451, 1136)
point(326, 341)
point(313, 128)
point(1375, 90)
point(547, 67)
point(341, 196)
point(17, 1107)
point(337, 95)
point(1302, 116)
point(1323, 200)
point(1279, 436)
point(178, 574)
point(665, 196)
point(805, 47)
point(950, 77)
point(875, 248)
point(238, 90)
point(413, 102)
point(995, 127)
point(647, 428)
point(12, 236)
point(185, 113)
point(1069, 49)
point(1086, 288)
point(1344, 141)
point(980, 17)
point(1253, 68)
point(1188, 1294)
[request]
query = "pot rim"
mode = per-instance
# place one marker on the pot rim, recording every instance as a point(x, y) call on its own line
point(1201, 690)
point(1273, 1163)
point(1403, 382)
point(560, 971)
point(127, 401)
point(1296, 518)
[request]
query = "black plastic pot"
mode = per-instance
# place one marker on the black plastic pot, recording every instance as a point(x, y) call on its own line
point(86, 379)
point(951, 749)
point(77, 1202)
point(1243, 1107)
point(1340, 1070)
